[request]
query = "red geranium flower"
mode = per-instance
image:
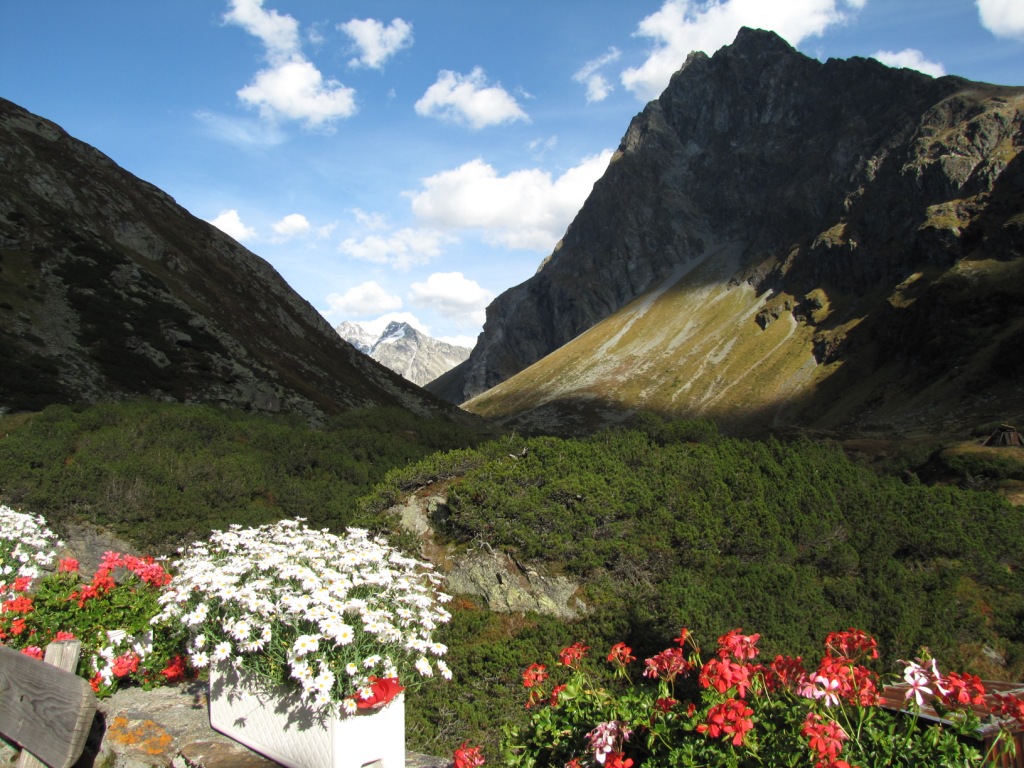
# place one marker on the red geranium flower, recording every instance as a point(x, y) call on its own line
point(34, 651)
point(621, 655)
point(535, 674)
point(383, 690)
point(68, 565)
point(468, 757)
point(175, 670)
point(730, 718)
point(569, 656)
point(618, 760)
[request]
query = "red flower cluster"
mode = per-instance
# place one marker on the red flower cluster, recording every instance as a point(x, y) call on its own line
point(730, 718)
point(742, 647)
point(617, 760)
point(962, 690)
point(825, 737)
point(555, 693)
point(468, 757)
point(535, 674)
point(34, 651)
point(852, 644)
point(382, 690)
point(126, 664)
point(571, 655)
point(723, 674)
point(1009, 706)
point(621, 655)
point(667, 665)
point(175, 670)
point(145, 568)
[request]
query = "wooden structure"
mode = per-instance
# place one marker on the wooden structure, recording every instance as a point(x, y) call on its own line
point(45, 708)
point(894, 697)
point(1005, 435)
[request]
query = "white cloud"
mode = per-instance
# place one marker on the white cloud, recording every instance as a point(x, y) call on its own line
point(526, 209)
point(370, 220)
point(454, 296)
point(682, 26)
point(230, 223)
point(297, 90)
point(910, 58)
point(469, 99)
point(244, 132)
point(377, 325)
point(291, 225)
point(291, 87)
point(401, 249)
point(459, 341)
point(598, 88)
point(279, 34)
point(1003, 18)
point(375, 42)
point(365, 299)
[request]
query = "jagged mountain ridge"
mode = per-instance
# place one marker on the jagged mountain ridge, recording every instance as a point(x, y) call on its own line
point(109, 289)
point(409, 353)
point(849, 199)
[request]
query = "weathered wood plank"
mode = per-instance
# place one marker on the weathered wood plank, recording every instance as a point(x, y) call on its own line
point(47, 710)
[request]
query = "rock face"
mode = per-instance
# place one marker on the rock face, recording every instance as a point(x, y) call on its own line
point(409, 353)
point(850, 198)
point(505, 584)
point(109, 290)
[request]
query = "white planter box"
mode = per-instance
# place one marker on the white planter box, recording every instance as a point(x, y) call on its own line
point(279, 726)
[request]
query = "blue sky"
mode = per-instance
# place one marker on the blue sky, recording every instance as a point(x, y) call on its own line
point(412, 159)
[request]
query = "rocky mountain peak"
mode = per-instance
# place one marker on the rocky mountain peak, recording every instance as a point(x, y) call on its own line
point(837, 192)
point(406, 351)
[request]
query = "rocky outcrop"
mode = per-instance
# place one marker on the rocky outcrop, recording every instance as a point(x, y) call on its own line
point(503, 583)
point(507, 586)
point(409, 353)
point(110, 290)
point(845, 177)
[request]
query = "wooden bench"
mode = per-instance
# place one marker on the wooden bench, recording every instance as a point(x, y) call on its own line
point(45, 708)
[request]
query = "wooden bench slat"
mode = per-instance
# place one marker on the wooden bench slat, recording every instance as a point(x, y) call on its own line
point(47, 710)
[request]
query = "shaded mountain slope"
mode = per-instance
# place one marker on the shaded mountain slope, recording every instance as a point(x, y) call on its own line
point(822, 242)
point(109, 289)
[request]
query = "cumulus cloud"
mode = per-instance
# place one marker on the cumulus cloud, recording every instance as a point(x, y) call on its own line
point(375, 42)
point(400, 249)
point(291, 87)
point(279, 34)
point(598, 87)
point(291, 225)
point(682, 26)
point(910, 58)
point(469, 99)
point(526, 209)
point(1003, 18)
point(365, 299)
point(298, 91)
point(454, 296)
point(230, 223)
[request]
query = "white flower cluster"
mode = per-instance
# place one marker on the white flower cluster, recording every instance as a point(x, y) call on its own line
point(119, 644)
point(26, 545)
point(319, 611)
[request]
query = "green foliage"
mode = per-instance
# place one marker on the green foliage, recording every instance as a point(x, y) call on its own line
point(791, 537)
point(165, 474)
